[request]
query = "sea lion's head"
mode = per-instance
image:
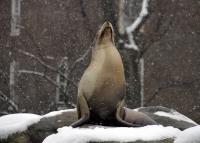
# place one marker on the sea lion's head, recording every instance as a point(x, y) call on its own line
point(105, 34)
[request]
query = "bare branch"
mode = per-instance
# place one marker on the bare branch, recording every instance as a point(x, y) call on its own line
point(36, 58)
point(171, 84)
point(80, 59)
point(151, 42)
point(45, 65)
point(41, 60)
point(47, 78)
point(39, 74)
point(71, 104)
point(135, 25)
point(3, 73)
point(30, 36)
point(11, 102)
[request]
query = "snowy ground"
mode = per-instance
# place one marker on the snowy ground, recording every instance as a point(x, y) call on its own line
point(14, 123)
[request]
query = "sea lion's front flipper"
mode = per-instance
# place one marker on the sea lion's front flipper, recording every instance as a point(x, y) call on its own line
point(120, 115)
point(83, 112)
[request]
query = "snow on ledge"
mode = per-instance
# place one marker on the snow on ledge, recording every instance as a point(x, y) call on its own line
point(13, 123)
point(84, 135)
point(191, 135)
point(16, 123)
point(175, 115)
point(55, 113)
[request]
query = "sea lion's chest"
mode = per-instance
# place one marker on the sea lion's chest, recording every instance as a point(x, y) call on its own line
point(105, 75)
point(103, 83)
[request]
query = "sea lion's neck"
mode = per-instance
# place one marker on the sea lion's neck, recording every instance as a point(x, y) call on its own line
point(103, 45)
point(100, 49)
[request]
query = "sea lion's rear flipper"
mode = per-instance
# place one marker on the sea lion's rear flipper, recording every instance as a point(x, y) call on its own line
point(120, 115)
point(80, 122)
point(83, 111)
point(136, 117)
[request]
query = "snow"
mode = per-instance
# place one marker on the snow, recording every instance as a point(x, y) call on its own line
point(13, 123)
point(55, 113)
point(175, 115)
point(142, 14)
point(191, 135)
point(136, 109)
point(125, 134)
point(130, 29)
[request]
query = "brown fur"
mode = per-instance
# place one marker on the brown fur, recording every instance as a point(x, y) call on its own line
point(101, 89)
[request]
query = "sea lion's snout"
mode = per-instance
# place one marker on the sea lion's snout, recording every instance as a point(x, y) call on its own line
point(106, 33)
point(107, 24)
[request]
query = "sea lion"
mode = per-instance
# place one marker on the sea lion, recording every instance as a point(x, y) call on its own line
point(101, 89)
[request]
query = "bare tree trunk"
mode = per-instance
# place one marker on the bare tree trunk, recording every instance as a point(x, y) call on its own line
point(12, 81)
point(141, 63)
point(128, 28)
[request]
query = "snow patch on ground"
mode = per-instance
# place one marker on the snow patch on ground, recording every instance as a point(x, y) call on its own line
point(125, 134)
point(175, 115)
point(10, 124)
point(191, 135)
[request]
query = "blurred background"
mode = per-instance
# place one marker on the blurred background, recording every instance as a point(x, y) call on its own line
point(45, 47)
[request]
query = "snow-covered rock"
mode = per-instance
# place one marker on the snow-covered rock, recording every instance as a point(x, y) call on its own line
point(191, 135)
point(117, 134)
point(56, 113)
point(36, 128)
point(175, 115)
point(16, 123)
point(168, 117)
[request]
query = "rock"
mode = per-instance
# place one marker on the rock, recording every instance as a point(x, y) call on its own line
point(17, 138)
point(45, 127)
point(49, 125)
point(166, 121)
